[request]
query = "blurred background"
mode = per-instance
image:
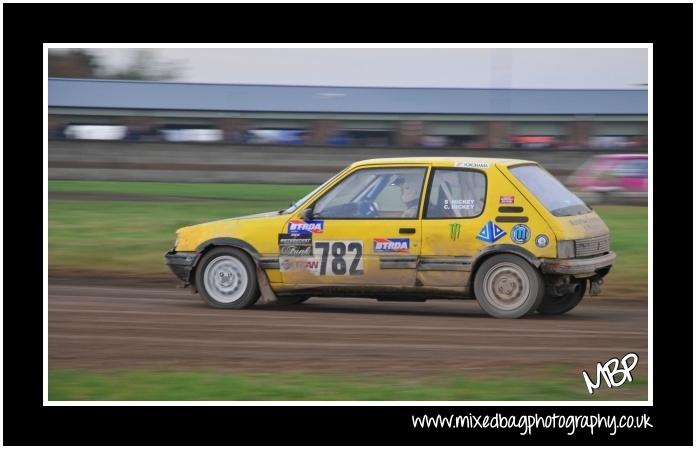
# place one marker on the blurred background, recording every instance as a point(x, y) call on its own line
point(167, 115)
point(144, 141)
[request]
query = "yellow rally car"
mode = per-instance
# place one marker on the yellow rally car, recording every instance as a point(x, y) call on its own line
point(502, 231)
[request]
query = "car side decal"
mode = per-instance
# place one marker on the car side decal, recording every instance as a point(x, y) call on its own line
point(490, 232)
point(520, 234)
point(391, 245)
point(301, 227)
point(293, 245)
point(324, 257)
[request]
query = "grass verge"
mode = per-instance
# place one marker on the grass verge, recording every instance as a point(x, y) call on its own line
point(126, 236)
point(261, 192)
point(75, 385)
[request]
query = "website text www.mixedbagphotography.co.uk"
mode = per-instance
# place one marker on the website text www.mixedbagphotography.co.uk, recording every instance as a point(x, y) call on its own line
point(527, 423)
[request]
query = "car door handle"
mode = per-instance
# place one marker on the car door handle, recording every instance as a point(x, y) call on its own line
point(407, 230)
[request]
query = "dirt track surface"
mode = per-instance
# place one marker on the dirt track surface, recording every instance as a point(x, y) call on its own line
point(154, 326)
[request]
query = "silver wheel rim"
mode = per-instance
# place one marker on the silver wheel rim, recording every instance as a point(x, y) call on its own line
point(506, 286)
point(225, 279)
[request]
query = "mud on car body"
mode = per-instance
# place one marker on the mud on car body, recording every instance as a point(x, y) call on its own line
point(504, 232)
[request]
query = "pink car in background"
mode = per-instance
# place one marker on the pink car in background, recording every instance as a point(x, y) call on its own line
point(612, 178)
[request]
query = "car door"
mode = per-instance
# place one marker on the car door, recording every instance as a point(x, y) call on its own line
point(454, 227)
point(364, 231)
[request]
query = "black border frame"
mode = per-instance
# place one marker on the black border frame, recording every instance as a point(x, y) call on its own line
point(26, 421)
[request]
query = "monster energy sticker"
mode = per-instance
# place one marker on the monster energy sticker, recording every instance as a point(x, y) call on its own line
point(454, 229)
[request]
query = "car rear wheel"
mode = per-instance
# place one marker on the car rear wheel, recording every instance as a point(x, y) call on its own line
point(507, 286)
point(291, 300)
point(556, 305)
point(226, 279)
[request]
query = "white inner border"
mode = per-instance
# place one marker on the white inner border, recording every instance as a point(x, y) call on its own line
point(589, 402)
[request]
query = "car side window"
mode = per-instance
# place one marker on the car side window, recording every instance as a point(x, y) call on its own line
point(374, 193)
point(456, 193)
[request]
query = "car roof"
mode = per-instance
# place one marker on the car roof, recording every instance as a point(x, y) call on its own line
point(441, 161)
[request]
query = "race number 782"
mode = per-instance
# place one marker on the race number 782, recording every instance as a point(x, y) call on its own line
point(340, 257)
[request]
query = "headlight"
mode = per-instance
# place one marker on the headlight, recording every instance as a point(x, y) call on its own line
point(566, 249)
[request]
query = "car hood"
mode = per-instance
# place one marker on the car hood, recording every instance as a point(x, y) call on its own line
point(245, 227)
point(228, 221)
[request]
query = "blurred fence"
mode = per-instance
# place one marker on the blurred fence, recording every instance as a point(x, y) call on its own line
point(141, 161)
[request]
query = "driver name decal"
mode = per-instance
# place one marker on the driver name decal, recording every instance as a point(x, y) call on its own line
point(459, 204)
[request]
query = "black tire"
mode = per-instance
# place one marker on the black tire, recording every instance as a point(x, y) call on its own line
point(232, 264)
point(292, 300)
point(507, 286)
point(556, 305)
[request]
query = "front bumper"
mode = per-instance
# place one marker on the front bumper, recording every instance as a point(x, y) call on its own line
point(181, 263)
point(589, 265)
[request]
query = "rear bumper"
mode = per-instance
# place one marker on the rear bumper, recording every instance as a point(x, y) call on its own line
point(181, 263)
point(588, 265)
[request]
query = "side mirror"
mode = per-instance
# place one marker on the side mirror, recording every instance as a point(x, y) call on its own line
point(307, 214)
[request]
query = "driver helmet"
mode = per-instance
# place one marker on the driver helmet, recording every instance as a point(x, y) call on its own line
point(410, 188)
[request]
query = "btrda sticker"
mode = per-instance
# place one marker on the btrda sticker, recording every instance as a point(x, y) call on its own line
point(390, 245)
point(302, 227)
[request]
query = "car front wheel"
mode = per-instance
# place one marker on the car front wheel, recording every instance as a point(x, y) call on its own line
point(507, 286)
point(226, 279)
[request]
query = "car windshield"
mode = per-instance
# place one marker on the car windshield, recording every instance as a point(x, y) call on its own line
point(560, 201)
point(392, 192)
point(302, 200)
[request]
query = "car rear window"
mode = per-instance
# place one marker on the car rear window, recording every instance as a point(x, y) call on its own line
point(555, 197)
